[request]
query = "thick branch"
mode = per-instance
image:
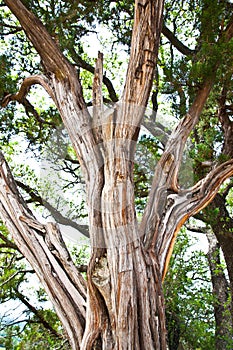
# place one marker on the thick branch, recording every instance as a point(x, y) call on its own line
point(25, 87)
point(206, 189)
point(187, 203)
point(166, 172)
point(177, 43)
point(144, 51)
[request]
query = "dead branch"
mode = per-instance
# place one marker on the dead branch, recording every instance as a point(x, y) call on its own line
point(54, 212)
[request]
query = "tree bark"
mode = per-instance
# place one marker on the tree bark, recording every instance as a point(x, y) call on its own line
point(221, 223)
point(223, 331)
point(125, 304)
point(45, 250)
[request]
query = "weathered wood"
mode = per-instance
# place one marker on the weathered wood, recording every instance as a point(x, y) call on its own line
point(125, 306)
point(45, 250)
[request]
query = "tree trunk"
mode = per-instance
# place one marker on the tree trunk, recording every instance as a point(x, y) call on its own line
point(221, 223)
point(223, 330)
point(125, 306)
point(124, 287)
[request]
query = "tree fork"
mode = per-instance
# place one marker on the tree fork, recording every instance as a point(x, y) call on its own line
point(125, 306)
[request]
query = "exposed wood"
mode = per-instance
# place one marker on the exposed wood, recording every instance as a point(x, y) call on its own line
point(144, 51)
point(97, 98)
point(124, 307)
point(185, 204)
point(120, 260)
point(166, 172)
point(87, 66)
point(45, 250)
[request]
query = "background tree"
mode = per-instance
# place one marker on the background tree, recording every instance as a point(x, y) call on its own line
point(189, 298)
point(124, 283)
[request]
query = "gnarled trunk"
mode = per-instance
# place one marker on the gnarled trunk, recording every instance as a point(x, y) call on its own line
point(125, 301)
point(124, 308)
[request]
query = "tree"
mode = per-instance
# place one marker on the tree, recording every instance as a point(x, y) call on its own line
point(121, 305)
point(189, 301)
point(222, 313)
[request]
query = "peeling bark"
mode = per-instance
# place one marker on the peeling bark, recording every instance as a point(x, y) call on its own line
point(125, 305)
point(45, 250)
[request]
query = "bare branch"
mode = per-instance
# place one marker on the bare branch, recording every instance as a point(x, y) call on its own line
point(51, 56)
point(9, 324)
point(22, 272)
point(197, 229)
point(38, 314)
point(13, 31)
point(8, 243)
point(7, 246)
point(54, 212)
point(185, 50)
point(156, 130)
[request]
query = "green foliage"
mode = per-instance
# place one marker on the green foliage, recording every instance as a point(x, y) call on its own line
point(199, 25)
point(118, 17)
point(147, 156)
point(36, 337)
